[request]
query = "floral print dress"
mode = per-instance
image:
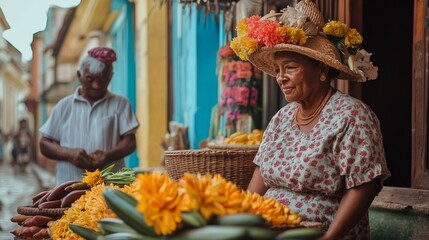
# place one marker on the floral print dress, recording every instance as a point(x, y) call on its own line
point(309, 171)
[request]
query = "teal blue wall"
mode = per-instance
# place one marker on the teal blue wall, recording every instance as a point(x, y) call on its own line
point(124, 77)
point(194, 54)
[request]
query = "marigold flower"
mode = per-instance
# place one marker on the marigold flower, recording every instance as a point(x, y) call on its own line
point(254, 33)
point(274, 212)
point(264, 32)
point(161, 201)
point(353, 38)
point(86, 212)
point(336, 28)
point(93, 178)
point(236, 196)
point(241, 28)
point(253, 21)
point(296, 36)
point(244, 46)
point(212, 194)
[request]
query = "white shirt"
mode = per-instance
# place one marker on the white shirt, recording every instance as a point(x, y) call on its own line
point(74, 123)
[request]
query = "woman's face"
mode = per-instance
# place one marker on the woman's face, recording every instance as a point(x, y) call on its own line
point(298, 76)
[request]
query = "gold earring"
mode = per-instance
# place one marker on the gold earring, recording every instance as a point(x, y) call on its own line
point(322, 77)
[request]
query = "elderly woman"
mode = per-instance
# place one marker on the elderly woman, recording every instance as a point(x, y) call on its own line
point(322, 154)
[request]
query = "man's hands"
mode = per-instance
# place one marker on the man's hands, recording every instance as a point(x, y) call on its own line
point(99, 159)
point(81, 159)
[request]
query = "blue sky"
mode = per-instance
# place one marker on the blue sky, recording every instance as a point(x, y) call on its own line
point(27, 17)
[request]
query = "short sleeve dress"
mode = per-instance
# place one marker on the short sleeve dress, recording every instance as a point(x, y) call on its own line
point(309, 171)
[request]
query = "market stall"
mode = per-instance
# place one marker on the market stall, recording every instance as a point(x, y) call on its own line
point(126, 205)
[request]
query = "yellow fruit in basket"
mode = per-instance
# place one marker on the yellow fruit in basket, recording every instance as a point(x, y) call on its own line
point(240, 138)
point(236, 134)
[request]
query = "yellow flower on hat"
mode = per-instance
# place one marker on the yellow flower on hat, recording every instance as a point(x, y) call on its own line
point(241, 28)
point(353, 38)
point(296, 36)
point(244, 46)
point(336, 28)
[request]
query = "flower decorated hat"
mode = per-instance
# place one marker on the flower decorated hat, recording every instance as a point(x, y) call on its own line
point(303, 30)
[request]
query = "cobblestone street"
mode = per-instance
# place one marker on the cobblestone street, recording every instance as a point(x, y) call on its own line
point(15, 190)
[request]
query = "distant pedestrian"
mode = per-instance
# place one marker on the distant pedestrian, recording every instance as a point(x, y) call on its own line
point(21, 147)
point(92, 128)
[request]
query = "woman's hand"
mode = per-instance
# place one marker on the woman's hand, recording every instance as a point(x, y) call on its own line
point(353, 206)
point(257, 183)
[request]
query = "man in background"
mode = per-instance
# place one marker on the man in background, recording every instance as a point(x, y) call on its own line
point(92, 128)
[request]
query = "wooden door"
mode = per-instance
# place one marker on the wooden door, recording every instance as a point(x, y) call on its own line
point(420, 178)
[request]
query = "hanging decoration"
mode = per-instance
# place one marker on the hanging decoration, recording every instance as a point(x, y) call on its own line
point(239, 107)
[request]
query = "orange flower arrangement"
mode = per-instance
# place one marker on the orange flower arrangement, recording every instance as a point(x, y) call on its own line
point(254, 33)
point(161, 200)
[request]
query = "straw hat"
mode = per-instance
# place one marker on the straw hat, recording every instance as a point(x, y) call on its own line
point(316, 47)
point(303, 34)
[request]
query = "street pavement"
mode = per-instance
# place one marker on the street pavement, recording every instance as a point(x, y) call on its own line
point(17, 189)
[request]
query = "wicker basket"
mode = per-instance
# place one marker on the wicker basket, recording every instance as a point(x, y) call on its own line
point(235, 165)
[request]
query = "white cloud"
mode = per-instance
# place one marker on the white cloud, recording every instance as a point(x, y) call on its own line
point(27, 17)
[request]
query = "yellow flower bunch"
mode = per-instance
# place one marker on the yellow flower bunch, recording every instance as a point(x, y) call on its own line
point(121, 178)
point(86, 212)
point(351, 37)
point(92, 178)
point(241, 28)
point(244, 46)
point(296, 36)
point(212, 194)
point(336, 28)
point(161, 201)
point(274, 212)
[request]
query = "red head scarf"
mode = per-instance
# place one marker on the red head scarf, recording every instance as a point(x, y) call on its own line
point(103, 54)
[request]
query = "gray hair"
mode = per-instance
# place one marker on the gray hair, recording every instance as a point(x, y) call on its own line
point(94, 65)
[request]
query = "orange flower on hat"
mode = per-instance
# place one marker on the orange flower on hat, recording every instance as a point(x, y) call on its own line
point(254, 33)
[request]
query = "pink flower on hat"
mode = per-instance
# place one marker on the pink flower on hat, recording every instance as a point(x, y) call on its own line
point(103, 54)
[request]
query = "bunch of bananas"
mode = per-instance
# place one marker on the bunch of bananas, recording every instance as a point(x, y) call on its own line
point(240, 138)
point(132, 226)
